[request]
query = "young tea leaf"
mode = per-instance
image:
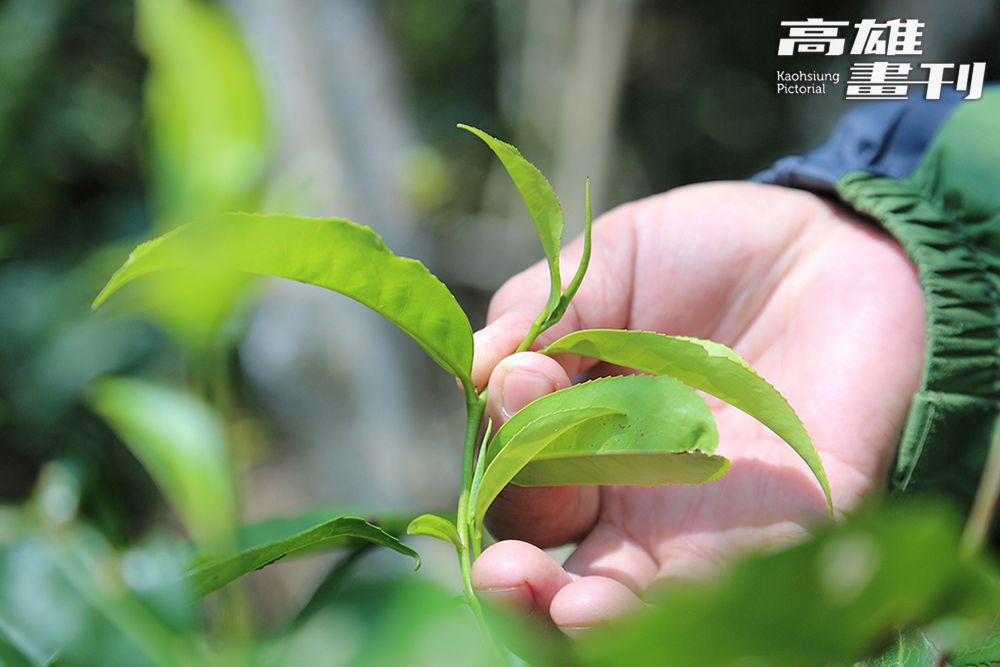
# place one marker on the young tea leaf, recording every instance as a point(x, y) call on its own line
point(711, 367)
point(209, 577)
point(631, 430)
point(532, 438)
point(435, 526)
point(983, 648)
point(581, 270)
point(332, 253)
point(543, 206)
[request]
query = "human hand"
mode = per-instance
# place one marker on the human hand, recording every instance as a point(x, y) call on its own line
point(825, 306)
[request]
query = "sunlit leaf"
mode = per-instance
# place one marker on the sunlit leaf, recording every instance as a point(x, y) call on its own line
point(711, 367)
point(211, 576)
point(435, 526)
point(543, 206)
point(831, 600)
point(181, 442)
point(328, 252)
point(631, 430)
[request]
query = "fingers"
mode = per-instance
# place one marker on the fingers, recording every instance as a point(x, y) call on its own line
point(593, 602)
point(519, 582)
point(520, 379)
point(517, 579)
point(544, 516)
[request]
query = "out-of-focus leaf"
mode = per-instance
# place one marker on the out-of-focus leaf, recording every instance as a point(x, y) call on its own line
point(84, 558)
point(181, 442)
point(205, 109)
point(711, 367)
point(334, 581)
point(830, 600)
point(543, 206)
point(211, 576)
point(435, 526)
point(596, 432)
point(68, 598)
point(14, 653)
point(328, 252)
point(380, 622)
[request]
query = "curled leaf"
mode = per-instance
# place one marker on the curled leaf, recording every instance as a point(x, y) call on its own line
point(705, 365)
point(631, 430)
point(542, 203)
point(435, 526)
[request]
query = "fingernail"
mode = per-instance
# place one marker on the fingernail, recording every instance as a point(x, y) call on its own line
point(521, 388)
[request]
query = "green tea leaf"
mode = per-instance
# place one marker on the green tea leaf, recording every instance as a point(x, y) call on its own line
point(181, 441)
point(711, 367)
point(981, 649)
point(329, 252)
point(622, 468)
point(830, 600)
point(581, 270)
point(517, 452)
point(435, 526)
point(543, 206)
point(911, 649)
point(211, 576)
point(596, 432)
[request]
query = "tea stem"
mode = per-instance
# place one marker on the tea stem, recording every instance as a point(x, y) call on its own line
point(475, 407)
point(981, 516)
point(468, 539)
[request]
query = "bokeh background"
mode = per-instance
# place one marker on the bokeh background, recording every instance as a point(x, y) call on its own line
point(358, 102)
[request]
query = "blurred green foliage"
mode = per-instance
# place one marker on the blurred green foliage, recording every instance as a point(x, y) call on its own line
point(70, 182)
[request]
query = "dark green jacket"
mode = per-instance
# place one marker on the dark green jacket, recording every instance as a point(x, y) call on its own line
point(929, 172)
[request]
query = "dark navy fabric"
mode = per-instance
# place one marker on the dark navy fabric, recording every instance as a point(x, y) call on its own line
point(881, 138)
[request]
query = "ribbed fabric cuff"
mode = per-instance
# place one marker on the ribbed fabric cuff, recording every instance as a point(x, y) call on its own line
point(947, 433)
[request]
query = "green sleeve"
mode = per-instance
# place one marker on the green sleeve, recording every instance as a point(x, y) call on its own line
point(946, 215)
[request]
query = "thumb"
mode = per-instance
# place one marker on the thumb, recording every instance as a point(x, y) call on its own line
point(545, 516)
point(520, 379)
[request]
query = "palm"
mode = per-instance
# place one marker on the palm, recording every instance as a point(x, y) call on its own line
point(824, 307)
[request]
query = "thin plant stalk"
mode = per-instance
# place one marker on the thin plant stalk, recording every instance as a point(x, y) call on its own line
point(977, 527)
